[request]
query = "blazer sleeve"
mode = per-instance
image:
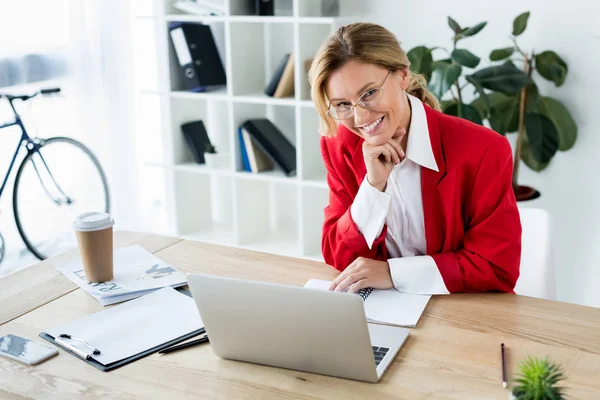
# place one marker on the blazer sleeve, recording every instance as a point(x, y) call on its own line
point(341, 241)
point(491, 254)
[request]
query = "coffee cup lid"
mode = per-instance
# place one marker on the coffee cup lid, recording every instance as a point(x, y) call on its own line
point(93, 221)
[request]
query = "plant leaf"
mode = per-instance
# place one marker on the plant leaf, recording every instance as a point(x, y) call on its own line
point(504, 112)
point(551, 67)
point(531, 162)
point(542, 135)
point(556, 112)
point(501, 54)
point(520, 23)
point(468, 112)
point(421, 61)
point(465, 58)
point(474, 29)
point(454, 25)
point(482, 95)
point(505, 78)
point(443, 76)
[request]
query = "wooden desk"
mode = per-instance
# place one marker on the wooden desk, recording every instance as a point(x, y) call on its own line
point(453, 353)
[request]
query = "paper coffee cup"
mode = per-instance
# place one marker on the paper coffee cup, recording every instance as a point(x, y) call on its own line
point(94, 232)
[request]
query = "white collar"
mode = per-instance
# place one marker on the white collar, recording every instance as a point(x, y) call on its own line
point(418, 148)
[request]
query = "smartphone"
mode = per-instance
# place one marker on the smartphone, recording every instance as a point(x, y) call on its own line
point(24, 350)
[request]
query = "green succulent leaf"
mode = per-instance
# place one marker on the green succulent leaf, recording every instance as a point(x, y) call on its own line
point(505, 78)
point(520, 23)
point(443, 76)
point(538, 380)
point(501, 54)
point(542, 135)
point(454, 25)
point(465, 58)
point(551, 66)
point(474, 29)
point(421, 61)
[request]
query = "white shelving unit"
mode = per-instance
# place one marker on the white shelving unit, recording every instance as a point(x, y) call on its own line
point(267, 211)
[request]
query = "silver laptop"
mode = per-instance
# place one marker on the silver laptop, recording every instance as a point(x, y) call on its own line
point(294, 327)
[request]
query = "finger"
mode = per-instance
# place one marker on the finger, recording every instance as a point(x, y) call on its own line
point(393, 152)
point(350, 280)
point(356, 286)
point(349, 269)
point(397, 148)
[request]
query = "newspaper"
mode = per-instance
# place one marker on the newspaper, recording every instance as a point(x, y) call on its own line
point(136, 272)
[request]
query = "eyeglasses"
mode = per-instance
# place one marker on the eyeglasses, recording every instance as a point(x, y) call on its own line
point(369, 99)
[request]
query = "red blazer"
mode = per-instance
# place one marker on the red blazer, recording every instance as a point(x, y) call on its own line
point(472, 224)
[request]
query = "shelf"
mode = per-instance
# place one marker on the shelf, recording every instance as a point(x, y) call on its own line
point(315, 183)
point(307, 103)
point(195, 18)
point(261, 98)
point(268, 176)
point(202, 169)
point(220, 94)
point(261, 19)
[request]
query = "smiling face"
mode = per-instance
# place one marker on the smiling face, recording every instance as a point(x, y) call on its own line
point(379, 124)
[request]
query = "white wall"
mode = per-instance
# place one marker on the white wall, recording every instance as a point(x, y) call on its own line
point(570, 186)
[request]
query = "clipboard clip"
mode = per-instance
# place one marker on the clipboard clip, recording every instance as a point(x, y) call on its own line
point(74, 349)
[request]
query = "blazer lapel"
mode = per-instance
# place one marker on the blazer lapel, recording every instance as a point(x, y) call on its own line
point(433, 203)
point(354, 156)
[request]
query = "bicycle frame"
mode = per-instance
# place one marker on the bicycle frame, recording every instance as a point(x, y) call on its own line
point(32, 145)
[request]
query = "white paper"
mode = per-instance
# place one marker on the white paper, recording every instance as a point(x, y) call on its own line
point(135, 270)
point(389, 307)
point(133, 327)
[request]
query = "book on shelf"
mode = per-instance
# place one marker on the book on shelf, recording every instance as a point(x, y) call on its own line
point(197, 139)
point(273, 143)
point(270, 90)
point(285, 86)
point(256, 160)
point(200, 7)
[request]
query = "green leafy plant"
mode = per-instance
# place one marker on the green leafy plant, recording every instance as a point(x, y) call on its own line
point(538, 380)
point(506, 96)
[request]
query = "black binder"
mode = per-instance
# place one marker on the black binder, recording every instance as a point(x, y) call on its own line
point(197, 139)
point(198, 57)
point(271, 141)
point(265, 7)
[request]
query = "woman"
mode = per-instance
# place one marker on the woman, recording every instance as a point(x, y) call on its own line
point(419, 200)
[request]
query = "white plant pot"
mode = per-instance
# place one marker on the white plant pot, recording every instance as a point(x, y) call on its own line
point(212, 160)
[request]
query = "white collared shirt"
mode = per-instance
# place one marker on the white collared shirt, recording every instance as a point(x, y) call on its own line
point(400, 207)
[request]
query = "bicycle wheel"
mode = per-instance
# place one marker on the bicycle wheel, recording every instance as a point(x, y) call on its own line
point(2, 248)
point(53, 185)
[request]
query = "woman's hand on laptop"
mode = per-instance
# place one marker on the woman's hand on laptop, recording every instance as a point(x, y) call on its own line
point(363, 273)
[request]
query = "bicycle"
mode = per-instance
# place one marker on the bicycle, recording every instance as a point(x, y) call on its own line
point(45, 202)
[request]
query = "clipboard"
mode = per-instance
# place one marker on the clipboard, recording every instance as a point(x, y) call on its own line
point(87, 357)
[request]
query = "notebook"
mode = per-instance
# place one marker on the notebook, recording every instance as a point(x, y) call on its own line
point(131, 330)
point(389, 307)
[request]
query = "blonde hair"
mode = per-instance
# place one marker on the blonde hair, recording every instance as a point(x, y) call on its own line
point(366, 43)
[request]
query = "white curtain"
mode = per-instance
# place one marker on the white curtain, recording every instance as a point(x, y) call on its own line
point(100, 33)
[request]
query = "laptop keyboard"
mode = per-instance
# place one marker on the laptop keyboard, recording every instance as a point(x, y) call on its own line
point(379, 353)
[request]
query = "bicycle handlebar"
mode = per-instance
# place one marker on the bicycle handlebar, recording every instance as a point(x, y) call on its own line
point(25, 97)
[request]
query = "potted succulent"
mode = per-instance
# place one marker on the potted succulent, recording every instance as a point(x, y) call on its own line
point(538, 380)
point(506, 96)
